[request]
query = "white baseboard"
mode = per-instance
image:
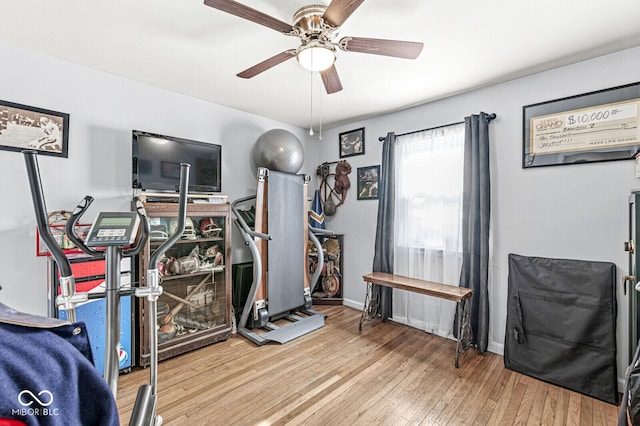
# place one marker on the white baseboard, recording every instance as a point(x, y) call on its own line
point(353, 304)
point(496, 348)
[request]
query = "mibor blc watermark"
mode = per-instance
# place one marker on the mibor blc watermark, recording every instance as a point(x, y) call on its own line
point(35, 404)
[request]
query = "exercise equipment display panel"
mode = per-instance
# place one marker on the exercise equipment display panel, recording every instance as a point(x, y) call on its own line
point(113, 229)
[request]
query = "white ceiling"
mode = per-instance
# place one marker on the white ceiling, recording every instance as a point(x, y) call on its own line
point(187, 47)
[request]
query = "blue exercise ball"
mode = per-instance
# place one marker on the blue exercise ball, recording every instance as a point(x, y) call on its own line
point(279, 150)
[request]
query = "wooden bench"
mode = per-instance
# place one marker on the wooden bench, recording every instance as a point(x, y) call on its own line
point(460, 295)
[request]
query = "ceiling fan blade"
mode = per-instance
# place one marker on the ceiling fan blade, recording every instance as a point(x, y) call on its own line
point(377, 46)
point(266, 64)
point(339, 10)
point(331, 80)
point(239, 9)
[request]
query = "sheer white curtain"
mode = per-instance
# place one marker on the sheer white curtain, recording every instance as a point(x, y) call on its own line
point(428, 216)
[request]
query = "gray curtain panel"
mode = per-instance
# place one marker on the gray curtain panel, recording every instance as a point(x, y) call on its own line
point(476, 210)
point(383, 255)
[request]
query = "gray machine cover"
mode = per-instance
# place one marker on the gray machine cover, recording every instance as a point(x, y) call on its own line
point(286, 260)
point(561, 323)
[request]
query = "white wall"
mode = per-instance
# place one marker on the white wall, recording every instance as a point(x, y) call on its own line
point(572, 211)
point(103, 110)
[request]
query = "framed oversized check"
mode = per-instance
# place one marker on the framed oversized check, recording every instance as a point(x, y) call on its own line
point(595, 126)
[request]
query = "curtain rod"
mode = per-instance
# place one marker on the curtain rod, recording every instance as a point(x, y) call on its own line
point(489, 116)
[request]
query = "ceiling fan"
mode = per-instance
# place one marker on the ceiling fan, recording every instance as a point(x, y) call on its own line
point(316, 26)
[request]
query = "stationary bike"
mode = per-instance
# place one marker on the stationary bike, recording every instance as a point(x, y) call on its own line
point(112, 235)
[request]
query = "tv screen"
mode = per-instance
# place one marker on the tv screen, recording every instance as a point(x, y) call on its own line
point(157, 158)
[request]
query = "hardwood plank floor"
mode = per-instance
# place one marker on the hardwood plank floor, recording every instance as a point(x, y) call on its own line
point(389, 374)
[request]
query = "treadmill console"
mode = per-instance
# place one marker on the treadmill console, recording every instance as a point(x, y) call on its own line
point(113, 229)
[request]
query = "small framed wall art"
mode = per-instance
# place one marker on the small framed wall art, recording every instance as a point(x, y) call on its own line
point(26, 127)
point(351, 143)
point(368, 179)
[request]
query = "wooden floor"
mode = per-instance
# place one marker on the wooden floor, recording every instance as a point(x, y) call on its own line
point(389, 374)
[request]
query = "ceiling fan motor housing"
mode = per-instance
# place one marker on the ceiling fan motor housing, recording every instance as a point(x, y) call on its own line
point(317, 52)
point(309, 24)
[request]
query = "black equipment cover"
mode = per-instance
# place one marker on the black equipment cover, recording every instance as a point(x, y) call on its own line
point(561, 323)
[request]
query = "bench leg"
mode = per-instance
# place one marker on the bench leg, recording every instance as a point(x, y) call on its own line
point(365, 308)
point(458, 344)
point(464, 329)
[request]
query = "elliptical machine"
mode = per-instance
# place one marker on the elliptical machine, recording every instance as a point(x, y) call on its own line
point(108, 236)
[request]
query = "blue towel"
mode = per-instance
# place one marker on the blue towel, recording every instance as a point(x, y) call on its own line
point(316, 217)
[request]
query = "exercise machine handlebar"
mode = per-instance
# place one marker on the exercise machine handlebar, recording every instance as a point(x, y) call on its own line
point(243, 223)
point(68, 297)
point(145, 229)
point(70, 228)
point(42, 222)
point(144, 409)
point(83, 206)
point(320, 231)
point(182, 217)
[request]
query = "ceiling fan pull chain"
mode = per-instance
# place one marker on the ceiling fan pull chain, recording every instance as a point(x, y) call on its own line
point(320, 108)
point(311, 108)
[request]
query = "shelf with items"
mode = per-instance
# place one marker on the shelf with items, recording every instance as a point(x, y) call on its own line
point(195, 273)
point(328, 288)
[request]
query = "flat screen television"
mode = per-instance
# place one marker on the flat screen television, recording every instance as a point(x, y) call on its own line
point(156, 163)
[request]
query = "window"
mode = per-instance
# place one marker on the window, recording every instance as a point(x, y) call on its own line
point(429, 170)
point(428, 222)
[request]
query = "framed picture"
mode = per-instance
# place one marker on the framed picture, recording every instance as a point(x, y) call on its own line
point(351, 143)
point(595, 126)
point(368, 179)
point(25, 127)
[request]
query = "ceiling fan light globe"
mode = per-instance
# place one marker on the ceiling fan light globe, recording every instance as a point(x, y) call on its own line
point(316, 57)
